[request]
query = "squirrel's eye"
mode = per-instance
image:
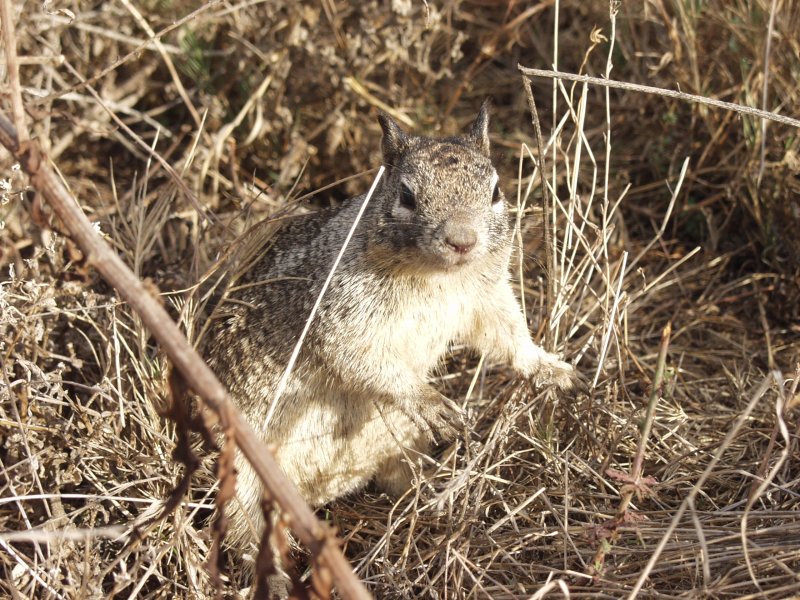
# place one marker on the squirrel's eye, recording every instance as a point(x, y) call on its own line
point(495, 194)
point(407, 198)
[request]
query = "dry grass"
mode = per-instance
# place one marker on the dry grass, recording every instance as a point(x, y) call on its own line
point(274, 100)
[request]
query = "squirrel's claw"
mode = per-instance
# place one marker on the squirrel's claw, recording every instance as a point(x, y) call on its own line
point(440, 418)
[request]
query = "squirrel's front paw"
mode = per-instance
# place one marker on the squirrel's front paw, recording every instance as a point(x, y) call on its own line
point(544, 368)
point(442, 417)
point(552, 370)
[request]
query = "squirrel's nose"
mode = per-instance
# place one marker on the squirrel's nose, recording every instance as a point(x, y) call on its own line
point(461, 239)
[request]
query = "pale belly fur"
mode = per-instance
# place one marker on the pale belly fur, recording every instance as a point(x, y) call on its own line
point(332, 453)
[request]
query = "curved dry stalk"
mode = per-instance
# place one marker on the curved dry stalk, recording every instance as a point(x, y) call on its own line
point(547, 208)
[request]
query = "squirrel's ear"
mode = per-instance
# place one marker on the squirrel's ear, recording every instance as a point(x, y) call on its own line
point(479, 132)
point(395, 140)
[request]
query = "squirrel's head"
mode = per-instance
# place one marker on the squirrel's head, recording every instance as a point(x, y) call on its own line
point(442, 206)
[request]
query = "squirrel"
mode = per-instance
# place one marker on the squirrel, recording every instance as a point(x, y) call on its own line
point(427, 266)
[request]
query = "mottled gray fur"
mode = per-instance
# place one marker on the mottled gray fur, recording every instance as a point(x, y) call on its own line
point(428, 266)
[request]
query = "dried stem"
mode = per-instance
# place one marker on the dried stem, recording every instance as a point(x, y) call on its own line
point(655, 394)
point(284, 380)
point(765, 87)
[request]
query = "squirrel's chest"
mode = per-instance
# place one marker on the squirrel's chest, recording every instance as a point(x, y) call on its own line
point(399, 327)
point(420, 327)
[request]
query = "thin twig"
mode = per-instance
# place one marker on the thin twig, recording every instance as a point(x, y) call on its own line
point(74, 534)
point(13, 554)
point(780, 424)
point(611, 318)
point(167, 60)
point(647, 89)
point(762, 313)
point(643, 252)
point(549, 233)
point(176, 179)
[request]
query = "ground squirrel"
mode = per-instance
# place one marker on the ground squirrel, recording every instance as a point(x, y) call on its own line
point(428, 265)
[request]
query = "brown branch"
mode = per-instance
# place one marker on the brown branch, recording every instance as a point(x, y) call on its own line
point(318, 537)
point(647, 89)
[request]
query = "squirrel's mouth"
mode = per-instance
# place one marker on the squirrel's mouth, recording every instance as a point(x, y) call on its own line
point(447, 257)
point(414, 261)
